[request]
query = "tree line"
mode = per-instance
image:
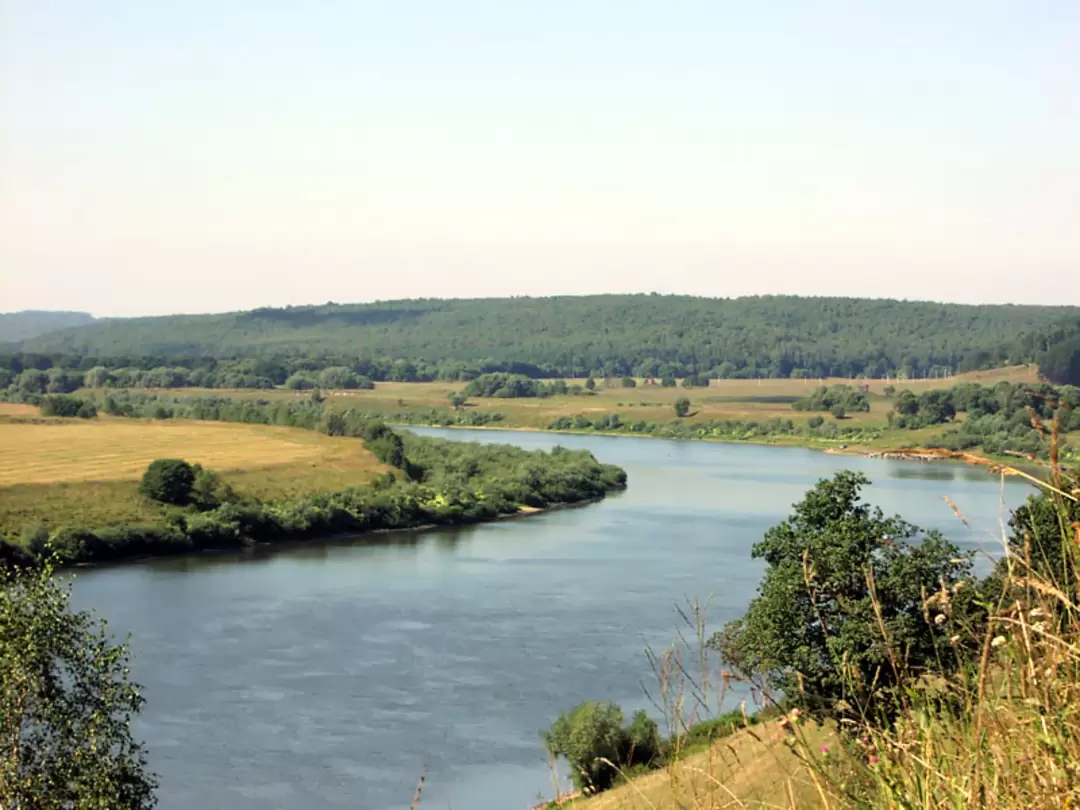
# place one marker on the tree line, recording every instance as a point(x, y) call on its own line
point(575, 337)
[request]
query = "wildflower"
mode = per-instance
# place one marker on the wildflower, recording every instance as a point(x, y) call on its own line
point(954, 640)
point(824, 750)
point(873, 760)
point(939, 619)
point(998, 641)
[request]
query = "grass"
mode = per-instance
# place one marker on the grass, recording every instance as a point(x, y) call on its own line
point(62, 471)
point(754, 768)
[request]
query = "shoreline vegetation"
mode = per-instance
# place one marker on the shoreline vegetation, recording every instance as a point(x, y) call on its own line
point(357, 474)
point(424, 482)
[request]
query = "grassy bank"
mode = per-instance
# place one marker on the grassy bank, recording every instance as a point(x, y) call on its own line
point(73, 485)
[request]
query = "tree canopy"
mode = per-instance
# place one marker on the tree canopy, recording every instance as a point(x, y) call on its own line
point(604, 335)
point(66, 704)
point(840, 614)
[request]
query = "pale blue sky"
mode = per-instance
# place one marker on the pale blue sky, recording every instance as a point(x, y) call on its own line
point(205, 156)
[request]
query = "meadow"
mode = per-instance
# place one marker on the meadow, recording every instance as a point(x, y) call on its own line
point(57, 471)
point(723, 399)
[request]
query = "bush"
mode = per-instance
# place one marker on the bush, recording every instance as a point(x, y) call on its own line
point(593, 732)
point(682, 407)
point(168, 480)
point(62, 405)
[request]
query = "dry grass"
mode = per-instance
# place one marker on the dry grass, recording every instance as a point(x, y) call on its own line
point(62, 470)
point(754, 768)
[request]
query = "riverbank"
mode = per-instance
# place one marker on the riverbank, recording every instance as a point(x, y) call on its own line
point(992, 464)
point(425, 482)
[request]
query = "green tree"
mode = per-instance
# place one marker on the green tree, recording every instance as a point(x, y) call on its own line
point(168, 480)
point(667, 382)
point(590, 384)
point(66, 704)
point(813, 629)
point(208, 491)
point(592, 738)
point(300, 382)
point(838, 411)
point(889, 390)
point(628, 382)
point(458, 399)
point(682, 406)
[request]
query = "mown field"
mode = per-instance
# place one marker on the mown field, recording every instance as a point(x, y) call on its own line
point(55, 471)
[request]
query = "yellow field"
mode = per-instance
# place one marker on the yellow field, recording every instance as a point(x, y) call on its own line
point(87, 471)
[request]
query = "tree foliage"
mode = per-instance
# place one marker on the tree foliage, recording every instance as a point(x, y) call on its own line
point(596, 744)
point(168, 480)
point(840, 397)
point(66, 704)
point(682, 406)
point(605, 335)
point(840, 614)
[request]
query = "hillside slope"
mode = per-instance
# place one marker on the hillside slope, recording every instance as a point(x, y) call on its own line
point(613, 334)
point(28, 324)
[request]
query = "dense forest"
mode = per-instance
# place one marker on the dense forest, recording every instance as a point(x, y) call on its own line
point(602, 335)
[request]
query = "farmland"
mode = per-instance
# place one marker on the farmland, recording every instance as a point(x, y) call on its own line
point(58, 471)
point(757, 400)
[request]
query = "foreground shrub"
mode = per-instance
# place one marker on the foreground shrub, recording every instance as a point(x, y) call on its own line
point(597, 746)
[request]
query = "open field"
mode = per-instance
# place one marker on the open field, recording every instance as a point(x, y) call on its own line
point(723, 399)
point(753, 768)
point(82, 471)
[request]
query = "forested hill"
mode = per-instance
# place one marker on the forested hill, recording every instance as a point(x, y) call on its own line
point(16, 326)
point(609, 334)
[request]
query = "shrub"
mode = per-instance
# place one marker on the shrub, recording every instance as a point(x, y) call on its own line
point(593, 732)
point(682, 406)
point(168, 480)
point(63, 405)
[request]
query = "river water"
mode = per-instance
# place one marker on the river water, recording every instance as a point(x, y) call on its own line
point(333, 675)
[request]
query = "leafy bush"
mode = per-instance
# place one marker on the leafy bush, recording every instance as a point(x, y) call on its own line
point(593, 732)
point(63, 405)
point(682, 407)
point(168, 480)
point(842, 398)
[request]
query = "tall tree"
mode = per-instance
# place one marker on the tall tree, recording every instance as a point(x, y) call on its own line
point(66, 704)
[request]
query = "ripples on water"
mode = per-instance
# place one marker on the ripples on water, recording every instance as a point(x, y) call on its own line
point(331, 675)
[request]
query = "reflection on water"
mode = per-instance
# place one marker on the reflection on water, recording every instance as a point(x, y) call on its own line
point(330, 674)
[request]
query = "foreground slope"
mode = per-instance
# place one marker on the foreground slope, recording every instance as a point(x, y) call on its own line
point(760, 336)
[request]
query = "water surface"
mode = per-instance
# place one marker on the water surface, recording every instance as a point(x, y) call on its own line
point(331, 676)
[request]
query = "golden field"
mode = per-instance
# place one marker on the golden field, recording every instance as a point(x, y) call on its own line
point(63, 470)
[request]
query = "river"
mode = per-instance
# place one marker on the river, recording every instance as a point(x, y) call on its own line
point(333, 675)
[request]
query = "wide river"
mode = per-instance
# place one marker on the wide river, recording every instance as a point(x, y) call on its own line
point(333, 675)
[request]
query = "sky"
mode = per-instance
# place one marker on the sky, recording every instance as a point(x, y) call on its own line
point(211, 156)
